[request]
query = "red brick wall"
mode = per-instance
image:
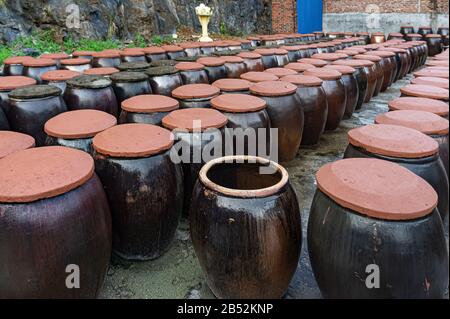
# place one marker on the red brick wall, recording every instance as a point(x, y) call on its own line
point(284, 16)
point(401, 6)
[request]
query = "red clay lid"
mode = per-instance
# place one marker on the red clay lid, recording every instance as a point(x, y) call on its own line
point(385, 191)
point(437, 73)
point(257, 77)
point(133, 140)
point(101, 71)
point(189, 45)
point(238, 103)
point(132, 52)
point(315, 62)
point(383, 54)
point(348, 52)
point(249, 55)
point(299, 67)
point(43, 172)
point(77, 61)
point(368, 57)
point(439, 82)
point(324, 74)
point(414, 35)
point(211, 61)
point(189, 66)
point(36, 63)
point(59, 75)
point(232, 59)
point(396, 34)
point(427, 91)
point(330, 56)
point(280, 51)
point(425, 122)
point(55, 56)
point(113, 54)
point(280, 72)
point(344, 69)
point(303, 80)
point(79, 124)
point(9, 83)
point(12, 142)
point(393, 140)
point(358, 50)
point(265, 52)
point(17, 59)
point(194, 118)
point(154, 50)
point(354, 63)
point(438, 63)
point(433, 36)
point(419, 104)
point(195, 91)
point(172, 48)
point(395, 50)
point(232, 85)
point(150, 103)
point(273, 88)
point(82, 53)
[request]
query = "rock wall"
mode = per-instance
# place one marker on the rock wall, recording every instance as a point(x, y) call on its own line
point(124, 19)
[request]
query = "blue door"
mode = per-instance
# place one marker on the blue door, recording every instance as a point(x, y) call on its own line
point(309, 14)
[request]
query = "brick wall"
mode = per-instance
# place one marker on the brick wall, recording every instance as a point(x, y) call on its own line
point(399, 6)
point(284, 16)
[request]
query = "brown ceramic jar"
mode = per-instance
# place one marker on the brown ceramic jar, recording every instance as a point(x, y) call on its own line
point(173, 51)
point(378, 67)
point(389, 65)
point(214, 68)
point(129, 84)
point(423, 31)
point(403, 62)
point(268, 58)
point(133, 55)
point(434, 43)
point(13, 66)
point(10, 83)
point(106, 59)
point(407, 30)
point(59, 78)
point(191, 49)
point(280, 72)
point(154, 54)
point(192, 73)
point(34, 68)
point(78, 64)
point(282, 57)
point(195, 95)
point(330, 57)
point(12, 142)
point(233, 86)
point(207, 48)
point(253, 61)
point(164, 79)
point(235, 66)
point(351, 87)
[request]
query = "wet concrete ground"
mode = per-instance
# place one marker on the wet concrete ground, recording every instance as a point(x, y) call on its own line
point(177, 274)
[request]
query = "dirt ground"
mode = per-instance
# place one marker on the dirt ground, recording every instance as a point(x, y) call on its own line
point(177, 274)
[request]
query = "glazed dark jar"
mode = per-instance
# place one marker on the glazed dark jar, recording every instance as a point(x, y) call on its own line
point(233, 86)
point(135, 55)
point(293, 52)
point(194, 130)
point(385, 219)
point(412, 55)
point(389, 64)
point(192, 73)
point(365, 36)
point(59, 78)
point(143, 186)
point(434, 42)
point(164, 79)
point(268, 58)
point(129, 84)
point(378, 68)
point(407, 147)
point(13, 142)
point(235, 66)
point(195, 95)
point(154, 54)
point(407, 30)
point(34, 68)
point(282, 57)
point(377, 37)
point(91, 92)
point(13, 66)
point(173, 51)
point(55, 190)
point(133, 66)
point(315, 106)
point(286, 114)
point(403, 62)
point(78, 65)
point(425, 122)
point(76, 129)
point(29, 108)
point(207, 48)
point(10, 83)
point(147, 109)
point(336, 95)
point(351, 87)
point(443, 31)
point(233, 192)
point(246, 114)
point(214, 68)
point(106, 59)
point(253, 61)
point(424, 31)
point(4, 125)
point(191, 49)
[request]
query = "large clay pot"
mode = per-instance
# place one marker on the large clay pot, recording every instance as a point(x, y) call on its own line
point(34, 68)
point(76, 129)
point(54, 207)
point(235, 66)
point(78, 64)
point(104, 59)
point(261, 209)
point(134, 66)
point(133, 55)
point(389, 65)
point(91, 92)
point(4, 125)
point(30, 107)
point(191, 49)
point(130, 84)
point(214, 68)
point(268, 58)
point(195, 95)
point(59, 78)
point(143, 186)
point(396, 36)
point(253, 61)
point(407, 30)
point(13, 66)
point(10, 83)
point(164, 79)
point(336, 95)
point(364, 229)
point(424, 31)
point(147, 109)
point(246, 115)
point(286, 114)
point(407, 147)
point(207, 48)
point(173, 51)
point(231, 86)
point(13, 142)
point(155, 54)
point(315, 106)
point(378, 68)
point(414, 37)
point(192, 73)
point(282, 57)
point(403, 62)
point(434, 43)
point(351, 87)
point(293, 52)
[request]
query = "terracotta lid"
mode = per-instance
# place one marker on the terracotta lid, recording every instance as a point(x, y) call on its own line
point(12, 142)
point(55, 56)
point(101, 71)
point(324, 74)
point(383, 54)
point(368, 57)
point(206, 45)
point(211, 61)
point(439, 82)
point(427, 91)
point(107, 54)
point(324, 45)
point(194, 118)
point(79, 124)
point(172, 48)
point(134, 66)
point(299, 67)
point(396, 34)
point(315, 62)
point(265, 52)
point(302, 80)
point(433, 36)
point(9, 83)
point(161, 71)
point(425, 122)
point(132, 52)
point(438, 63)
point(89, 82)
point(195, 91)
point(129, 77)
point(330, 56)
point(133, 140)
point(395, 50)
point(386, 190)
point(78, 61)
point(189, 66)
point(232, 59)
point(257, 77)
point(238, 103)
point(393, 140)
point(280, 52)
point(280, 72)
point(189, 45)
point(17, 59)
point(348, 52)
point(354, 63)
point(43, 172)
point(273, 88)
point(438, 73)
point(254, 38)
point(34, 92)
point(344, 69)
point(154, 50)
point(150, 103)
point(414, 35)
point(59, 75)
point(82, 53)
point(419, 104)
point(291, 47)
point(249, 55)
point(359, 50)
point(232, 85)
point(37, 63)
